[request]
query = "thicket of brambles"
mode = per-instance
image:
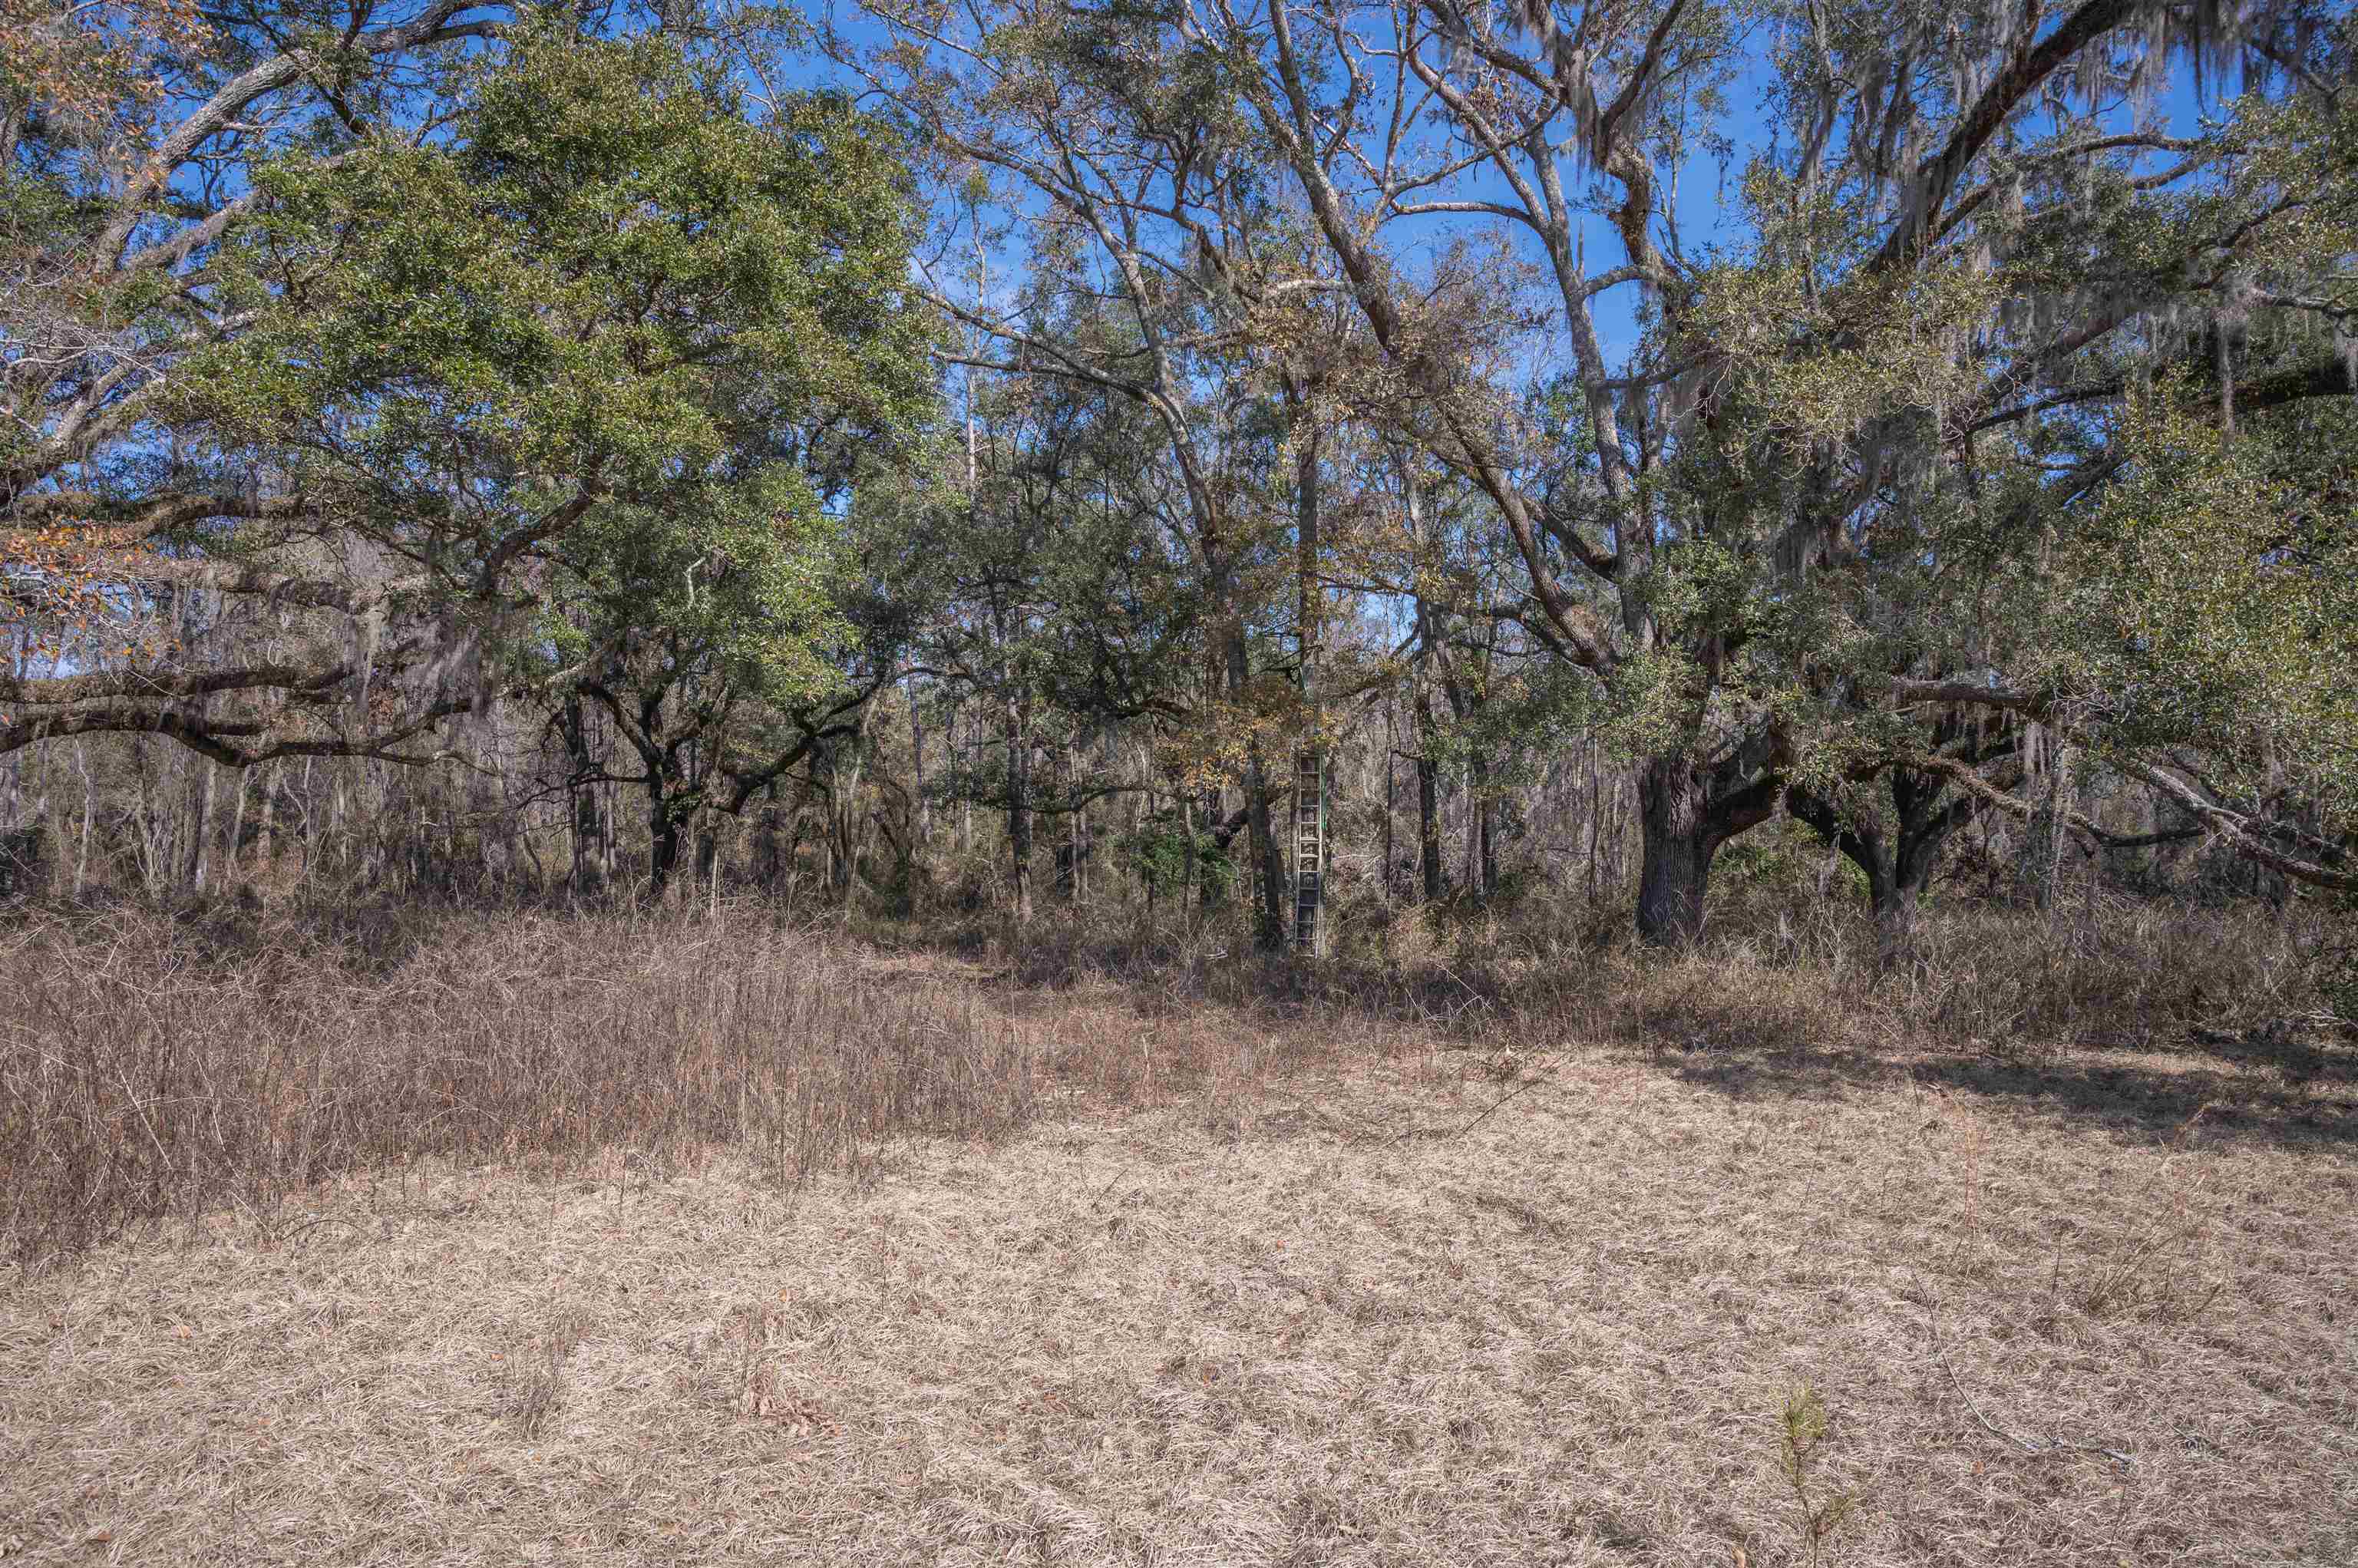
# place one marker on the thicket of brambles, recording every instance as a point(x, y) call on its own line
point(1656, 462)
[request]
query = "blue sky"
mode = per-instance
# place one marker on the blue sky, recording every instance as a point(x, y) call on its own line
point(1706, 215)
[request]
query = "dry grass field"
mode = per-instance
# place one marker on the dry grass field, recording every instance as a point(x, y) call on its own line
point(733, 1244)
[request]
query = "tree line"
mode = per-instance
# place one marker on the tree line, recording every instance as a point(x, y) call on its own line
point(1170, 449)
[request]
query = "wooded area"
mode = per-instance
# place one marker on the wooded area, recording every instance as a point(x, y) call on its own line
point(1220, 463)
point(1267, 782)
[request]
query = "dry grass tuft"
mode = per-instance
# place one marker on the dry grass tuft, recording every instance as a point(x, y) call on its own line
point(157, 1069)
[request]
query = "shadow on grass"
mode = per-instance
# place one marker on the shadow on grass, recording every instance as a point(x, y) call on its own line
point(2315, 1110)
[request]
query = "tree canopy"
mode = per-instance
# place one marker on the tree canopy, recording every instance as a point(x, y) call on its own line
point(1178, 385)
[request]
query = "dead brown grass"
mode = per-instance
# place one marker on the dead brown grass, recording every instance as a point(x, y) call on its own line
point(1305, 1332)
point(156, 1069)
point(1234, 1291)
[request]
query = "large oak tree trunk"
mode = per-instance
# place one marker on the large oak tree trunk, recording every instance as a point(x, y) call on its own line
point(1684, 816)
point(1896, 923)
point(1674, 874)
point(1898, 868)
point(663, 844)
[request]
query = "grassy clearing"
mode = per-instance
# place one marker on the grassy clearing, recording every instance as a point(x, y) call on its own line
point(1218, 1291)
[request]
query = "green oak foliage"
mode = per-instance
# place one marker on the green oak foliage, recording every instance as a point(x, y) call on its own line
point(2211, 603)
point(2091, 466)
point(588, 349)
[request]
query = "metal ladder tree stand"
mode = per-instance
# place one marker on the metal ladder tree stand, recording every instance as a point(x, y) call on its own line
point(1309, 847)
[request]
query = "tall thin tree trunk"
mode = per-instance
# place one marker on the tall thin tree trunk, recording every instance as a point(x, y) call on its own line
point(1215, 812)
point(332, 835)
point(1472, 881)
point(1018, 809)
point(89, 809)
point(1481, 854)
point(52, 771)
point(201, 812)
point(924, 813)
point(1268, 908)
point(1595, 821)
point(265, 830)
point(237, 832)
point(311, 806)
point(1310, 885)
point(1189, 886)
point(1428, 804)
point(1267, 872)
point(1392, 744)
point(610, 850)
point(1077, 830)
point(963, 758)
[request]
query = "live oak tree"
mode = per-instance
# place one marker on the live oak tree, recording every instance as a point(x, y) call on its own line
point(713, 347)
point(2118, 517)
point(524, 382)
point(131, 130)
point(1963, 221)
